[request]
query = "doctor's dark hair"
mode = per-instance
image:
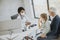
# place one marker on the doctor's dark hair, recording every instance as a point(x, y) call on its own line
point(20, 8)
point(44, 16)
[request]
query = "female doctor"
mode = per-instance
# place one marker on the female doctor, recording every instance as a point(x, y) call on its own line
point(24, 19)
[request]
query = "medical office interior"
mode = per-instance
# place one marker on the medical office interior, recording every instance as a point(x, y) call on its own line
point(10, 28)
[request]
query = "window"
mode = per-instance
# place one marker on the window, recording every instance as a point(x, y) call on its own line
point(40, 6)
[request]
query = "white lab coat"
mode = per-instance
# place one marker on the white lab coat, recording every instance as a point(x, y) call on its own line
point(25, 18)
point(23, 26)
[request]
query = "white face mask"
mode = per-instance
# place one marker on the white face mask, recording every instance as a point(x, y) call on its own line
point(22, 14)
point(51, 17)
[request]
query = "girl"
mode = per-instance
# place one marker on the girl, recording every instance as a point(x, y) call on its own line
point(44, 25)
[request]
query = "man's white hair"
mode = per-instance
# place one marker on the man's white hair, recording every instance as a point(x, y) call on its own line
point(53, 9)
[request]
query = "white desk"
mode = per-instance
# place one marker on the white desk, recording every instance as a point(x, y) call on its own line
point(21, 35)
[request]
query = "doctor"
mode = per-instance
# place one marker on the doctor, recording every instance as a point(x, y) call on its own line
point(24, 19)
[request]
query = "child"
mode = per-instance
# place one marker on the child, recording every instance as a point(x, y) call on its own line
point(44, 25)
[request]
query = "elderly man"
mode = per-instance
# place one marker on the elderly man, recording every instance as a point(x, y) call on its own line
point(54, 25)
point(55, 22)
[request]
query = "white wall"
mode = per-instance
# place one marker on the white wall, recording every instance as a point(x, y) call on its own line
point(9, 8)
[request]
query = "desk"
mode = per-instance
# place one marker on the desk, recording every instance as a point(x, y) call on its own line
point(21, 35)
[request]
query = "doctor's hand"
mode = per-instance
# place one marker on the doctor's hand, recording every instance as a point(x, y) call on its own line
point(27, 23)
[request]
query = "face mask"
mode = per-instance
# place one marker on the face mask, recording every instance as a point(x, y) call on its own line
point(22, 14)
point(51, 17)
